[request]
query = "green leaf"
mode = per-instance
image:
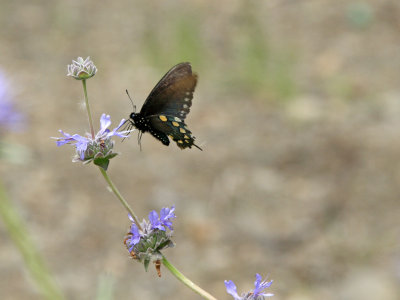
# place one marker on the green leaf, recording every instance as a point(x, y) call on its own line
point(146, 263)
point(112, 155)
point(102, 162)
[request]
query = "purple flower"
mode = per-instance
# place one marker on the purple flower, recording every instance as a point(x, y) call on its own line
point(98, 149)
point(155, 221)
point(80, 142)
point(260, 286)
point(9, 117)
point(133, 238)
point(231, 289)
point(256, 294)
point(164, 220)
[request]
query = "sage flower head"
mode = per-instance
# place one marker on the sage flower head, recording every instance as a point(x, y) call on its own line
point(98, 149)
point(81, 68)
point(256, 294)
point(145, 242)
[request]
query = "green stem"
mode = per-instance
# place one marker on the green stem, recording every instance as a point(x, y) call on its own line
point(33, 261)
point(119, 196)
point(186, 281)
point(88, 108)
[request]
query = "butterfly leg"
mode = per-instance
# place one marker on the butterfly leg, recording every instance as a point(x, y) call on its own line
point(127, 127)
point(140, 133)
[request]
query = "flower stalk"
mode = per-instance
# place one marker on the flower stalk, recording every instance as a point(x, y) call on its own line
point(88, 108)
point(119, 196)
point(185, 280)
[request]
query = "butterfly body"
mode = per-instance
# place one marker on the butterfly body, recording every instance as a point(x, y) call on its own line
point(143, 125)
point(165, 109)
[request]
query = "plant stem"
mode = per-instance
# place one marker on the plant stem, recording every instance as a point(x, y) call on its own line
point(186, 281)
point(33, 261)
point(120, 197)
point(88, 108)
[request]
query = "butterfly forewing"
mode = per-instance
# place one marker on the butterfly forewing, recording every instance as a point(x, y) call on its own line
point(173, 94)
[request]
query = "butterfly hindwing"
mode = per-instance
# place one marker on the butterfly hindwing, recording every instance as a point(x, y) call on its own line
point(173, 94)
point(174, 128)
point(159, 135)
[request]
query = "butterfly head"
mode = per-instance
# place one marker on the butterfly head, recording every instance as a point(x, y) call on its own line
point(133, 116)
point(136, 120)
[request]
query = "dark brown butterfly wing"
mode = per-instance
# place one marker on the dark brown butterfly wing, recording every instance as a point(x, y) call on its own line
point(173, 94)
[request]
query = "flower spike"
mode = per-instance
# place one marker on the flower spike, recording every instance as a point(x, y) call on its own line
point(146, 243)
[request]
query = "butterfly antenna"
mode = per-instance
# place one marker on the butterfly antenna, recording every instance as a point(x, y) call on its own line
point(133, 105)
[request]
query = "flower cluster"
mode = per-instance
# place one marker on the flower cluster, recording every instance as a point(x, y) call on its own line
point(82, 68)
point(256, 294)
point(97, 149)
point(9, 117)
point(144, 242)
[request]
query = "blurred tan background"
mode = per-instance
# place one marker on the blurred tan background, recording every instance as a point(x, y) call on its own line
point(298, 112)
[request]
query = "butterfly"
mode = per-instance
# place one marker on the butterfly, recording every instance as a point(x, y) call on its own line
point(165, 109)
